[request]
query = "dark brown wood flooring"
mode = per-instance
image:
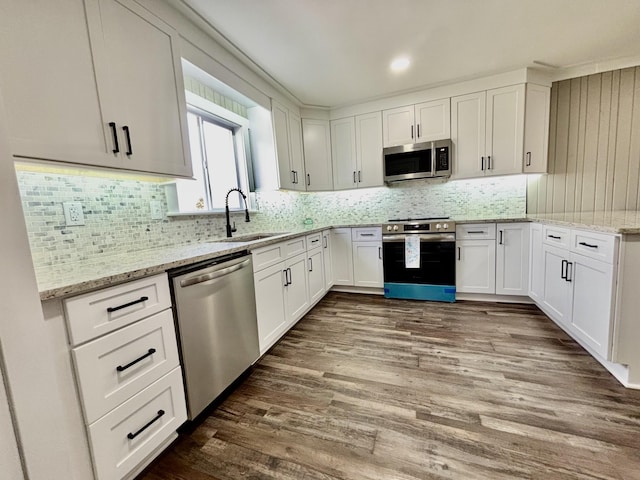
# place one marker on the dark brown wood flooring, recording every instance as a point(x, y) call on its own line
point(365, 387)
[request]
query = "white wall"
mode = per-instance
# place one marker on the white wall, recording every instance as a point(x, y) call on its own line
point(37, 385)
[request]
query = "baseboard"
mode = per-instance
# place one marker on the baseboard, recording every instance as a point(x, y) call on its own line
point(350, 289)
point(483, 297)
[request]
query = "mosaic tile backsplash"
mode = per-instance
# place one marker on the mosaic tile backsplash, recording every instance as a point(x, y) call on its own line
point(118, 213)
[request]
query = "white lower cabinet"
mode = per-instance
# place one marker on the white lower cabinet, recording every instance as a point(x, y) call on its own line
point(342, 256)
point(127, 371)
point(476, 266)
point(270, 305)
point(327, 259)
point(367, 264)
point(557, 290)
point(315, 266)
point(512, 259)
point(297, 289)
point(127, 435)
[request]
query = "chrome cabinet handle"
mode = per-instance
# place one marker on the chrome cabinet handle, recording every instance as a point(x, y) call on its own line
point(359, 176)
point(569, 272)
point(310, 264)
point(489, 162)
point(286, 278)
point(290, 276)
point(325, 241)
point(121, 368)
point(354, 177)
point(308, 180)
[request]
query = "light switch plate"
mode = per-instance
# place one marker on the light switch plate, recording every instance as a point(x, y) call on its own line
point(156, 210)
point(73, 214)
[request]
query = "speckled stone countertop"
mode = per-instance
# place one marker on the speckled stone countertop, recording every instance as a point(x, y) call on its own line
point(626, 222)
point(75, 278)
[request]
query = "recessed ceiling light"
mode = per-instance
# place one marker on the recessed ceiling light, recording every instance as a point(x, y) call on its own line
point(400, 64)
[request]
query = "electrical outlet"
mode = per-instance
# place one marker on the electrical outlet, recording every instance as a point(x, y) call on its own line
point(156, 210)
point(73, 214)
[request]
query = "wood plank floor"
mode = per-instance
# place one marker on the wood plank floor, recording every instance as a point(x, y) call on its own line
point(371, 388)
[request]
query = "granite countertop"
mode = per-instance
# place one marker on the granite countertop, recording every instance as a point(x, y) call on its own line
point(79, 277)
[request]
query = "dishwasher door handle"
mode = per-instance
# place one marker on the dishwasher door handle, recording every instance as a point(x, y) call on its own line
point(213, 275)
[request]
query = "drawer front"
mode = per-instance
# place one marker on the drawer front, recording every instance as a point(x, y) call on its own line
point(314, 241)
point(265, 257)
point(295, 246)
point(476, 231)
point(97, 313)
point(369, 234)
point(115, 367)
point(114, 453)
point(595, 245)
point(558, 236)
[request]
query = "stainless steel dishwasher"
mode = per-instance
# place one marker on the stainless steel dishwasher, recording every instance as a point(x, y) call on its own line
point(215, 311)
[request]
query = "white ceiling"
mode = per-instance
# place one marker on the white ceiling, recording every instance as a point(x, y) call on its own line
point(337, 52)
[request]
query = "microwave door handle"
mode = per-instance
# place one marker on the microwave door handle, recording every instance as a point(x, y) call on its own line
point(433, 159)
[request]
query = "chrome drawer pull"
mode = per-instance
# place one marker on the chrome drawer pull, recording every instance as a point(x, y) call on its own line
point(120, 368)
point(588, 245)
point(131, 436)
point(120, 307)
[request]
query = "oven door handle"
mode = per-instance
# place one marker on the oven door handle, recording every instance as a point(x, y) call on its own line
point(430, 237)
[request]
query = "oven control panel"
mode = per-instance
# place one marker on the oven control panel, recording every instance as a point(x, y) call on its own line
point(419, 227)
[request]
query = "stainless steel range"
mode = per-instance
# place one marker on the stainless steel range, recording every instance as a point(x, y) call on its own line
point(419, 259)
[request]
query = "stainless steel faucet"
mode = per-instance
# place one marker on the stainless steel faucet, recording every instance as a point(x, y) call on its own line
point(226, 211)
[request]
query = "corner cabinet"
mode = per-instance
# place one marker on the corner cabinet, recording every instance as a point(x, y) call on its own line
point(316, 140)
point(287, 130)
point(501, 131)
point(115, 100)
point(356, 150)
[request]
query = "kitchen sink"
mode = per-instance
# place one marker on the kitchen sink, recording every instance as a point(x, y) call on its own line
point(251, 237)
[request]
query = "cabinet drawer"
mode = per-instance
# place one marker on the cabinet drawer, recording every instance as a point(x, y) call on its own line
point(114, 453)
point(115, 367)
point(295, 246)
point(314, 241)
point(595, 245)
point(264, 257)
point(370, 234)
point(476, 231)
point(558, 236)
point(94, 314)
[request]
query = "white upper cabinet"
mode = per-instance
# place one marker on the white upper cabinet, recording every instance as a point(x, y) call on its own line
point(316, 136)
point(120, 67)
point(492, 134)
point(356, 148)
point(417, 123)
point(536, 129)
point(287, 130)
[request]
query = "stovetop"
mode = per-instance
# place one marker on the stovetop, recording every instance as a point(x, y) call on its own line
point(417, 219)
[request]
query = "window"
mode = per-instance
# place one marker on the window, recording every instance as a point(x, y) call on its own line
point(217, 154)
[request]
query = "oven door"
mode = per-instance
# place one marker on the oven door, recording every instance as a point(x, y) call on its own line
point(435, 279)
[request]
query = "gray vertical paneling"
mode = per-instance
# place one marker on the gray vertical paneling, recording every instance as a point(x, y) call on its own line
point(623, 139)
point(581, 128)
point(591, 143)
point(562, 146)
point(594, 146)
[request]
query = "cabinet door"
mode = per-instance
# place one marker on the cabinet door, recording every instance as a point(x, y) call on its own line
point(433, 120)
point(512, 259)
point(280, 116)
point(398, 126)
point(536, 263)
point(592, 309)
point(140, 84)
point(295, 151)
point(468, 135)
point(476, 266)
point(367, 264)
point(343, 153)
point(270, 305)
point(369, 150)
point(557, 291)
point(297, 292)
point(315, 269)
point(536, 128)
point(342, 256)
point(505, 130)
point(316, 137)
point(48, 83)
point(327, 258)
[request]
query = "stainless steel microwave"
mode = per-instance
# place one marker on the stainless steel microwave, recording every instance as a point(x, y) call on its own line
point(418, 160)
